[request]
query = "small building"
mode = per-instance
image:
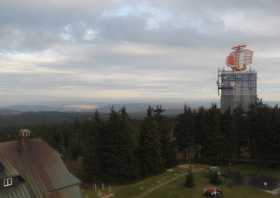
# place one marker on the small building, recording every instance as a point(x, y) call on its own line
point(30, 168)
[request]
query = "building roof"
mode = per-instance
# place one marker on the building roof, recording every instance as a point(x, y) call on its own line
point(41, 167)
point(21, 191)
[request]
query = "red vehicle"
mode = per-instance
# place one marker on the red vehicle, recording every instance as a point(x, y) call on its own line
point(213, 192)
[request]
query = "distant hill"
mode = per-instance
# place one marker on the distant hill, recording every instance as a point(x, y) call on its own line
point(102, 107)
point(139, 109)
point(26, 115)
point(46, 108)
point(5, 111)
point(25, 119)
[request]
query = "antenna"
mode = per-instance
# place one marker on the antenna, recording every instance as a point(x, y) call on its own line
point(239, 58)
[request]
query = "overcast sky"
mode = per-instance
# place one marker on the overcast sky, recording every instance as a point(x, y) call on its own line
point(132, 50)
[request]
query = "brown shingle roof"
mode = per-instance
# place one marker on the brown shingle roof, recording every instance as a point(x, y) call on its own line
point(41, 166)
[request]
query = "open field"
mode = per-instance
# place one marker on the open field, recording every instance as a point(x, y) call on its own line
point(171, 185)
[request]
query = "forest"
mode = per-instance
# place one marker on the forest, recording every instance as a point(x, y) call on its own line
point(117, 148)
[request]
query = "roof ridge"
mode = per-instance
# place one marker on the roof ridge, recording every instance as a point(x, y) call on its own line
point(16, 141)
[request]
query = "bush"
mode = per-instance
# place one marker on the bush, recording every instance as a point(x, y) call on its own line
point(189, 179)
point(214, 178)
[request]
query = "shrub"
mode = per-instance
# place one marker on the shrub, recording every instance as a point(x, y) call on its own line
point(214, 178)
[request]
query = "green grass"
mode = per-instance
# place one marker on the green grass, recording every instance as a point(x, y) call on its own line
point(141, 186)
point(254, 170)
point(177, 189)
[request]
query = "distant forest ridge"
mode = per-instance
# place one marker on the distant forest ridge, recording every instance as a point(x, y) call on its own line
point(102, 107)
point(21, 115)
point(131, 107)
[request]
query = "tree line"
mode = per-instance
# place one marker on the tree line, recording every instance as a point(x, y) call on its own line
point(231, 136)
point(117, 148)
point(120, 149)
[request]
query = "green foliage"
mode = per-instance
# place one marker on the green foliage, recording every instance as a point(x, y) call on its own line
point(92, 167)
point(252, 135)
point(214, 177)
point(168, 145)
point(118, 152)
point(214, 151)
point(150, 157)
point(185, 129)
point(121, 149)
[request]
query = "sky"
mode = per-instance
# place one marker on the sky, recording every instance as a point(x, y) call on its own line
point(131, 50)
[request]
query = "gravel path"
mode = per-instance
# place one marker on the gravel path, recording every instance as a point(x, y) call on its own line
point(147, 192)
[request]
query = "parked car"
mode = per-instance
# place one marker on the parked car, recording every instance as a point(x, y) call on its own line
point(213, 192)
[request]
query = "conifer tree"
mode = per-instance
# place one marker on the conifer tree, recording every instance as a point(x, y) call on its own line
point(118, 149)
point(168, 152)
point(185, 129)
point(92, 160)
point(128, 147)
point(150, 146)
point(237, 132)
point(214, 148)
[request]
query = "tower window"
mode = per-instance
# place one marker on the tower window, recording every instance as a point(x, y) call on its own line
point(7, 182)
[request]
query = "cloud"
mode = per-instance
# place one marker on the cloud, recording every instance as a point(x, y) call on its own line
point(128, 49)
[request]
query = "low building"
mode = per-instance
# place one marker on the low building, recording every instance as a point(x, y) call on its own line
point(30, 168)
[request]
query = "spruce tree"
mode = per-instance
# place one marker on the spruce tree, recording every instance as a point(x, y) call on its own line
point(119, 147)
point(168, 147)
point(128, 148)
point(185, 129)
point(238, 134)
point(92, 167)
point(215, 146)
point(150, 146)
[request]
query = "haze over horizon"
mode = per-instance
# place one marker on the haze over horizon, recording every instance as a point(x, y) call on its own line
point(131, 51)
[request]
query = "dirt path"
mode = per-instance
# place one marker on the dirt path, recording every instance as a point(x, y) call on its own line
point(147, 192)
point(274, 192)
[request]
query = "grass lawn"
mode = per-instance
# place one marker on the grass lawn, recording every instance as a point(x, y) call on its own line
point(176, 189)
point(254, 170)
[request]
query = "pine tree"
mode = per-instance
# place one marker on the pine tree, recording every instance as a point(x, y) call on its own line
point(76, 146)
point(119, 147)
point(214, 178)
point(168, 147)
point(275, 133)
point(238, 134)
point(185, 129)
point(215, 146)
point(92, 167)
point(150, 146)
point(201, 128)
point(128, 146)
point(262, 135)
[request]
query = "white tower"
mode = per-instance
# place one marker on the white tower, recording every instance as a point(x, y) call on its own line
point(239, 84)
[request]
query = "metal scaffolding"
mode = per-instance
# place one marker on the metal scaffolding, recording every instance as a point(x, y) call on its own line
point(237, 88)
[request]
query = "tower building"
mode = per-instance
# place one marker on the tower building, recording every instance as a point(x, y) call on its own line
point(237, 85)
